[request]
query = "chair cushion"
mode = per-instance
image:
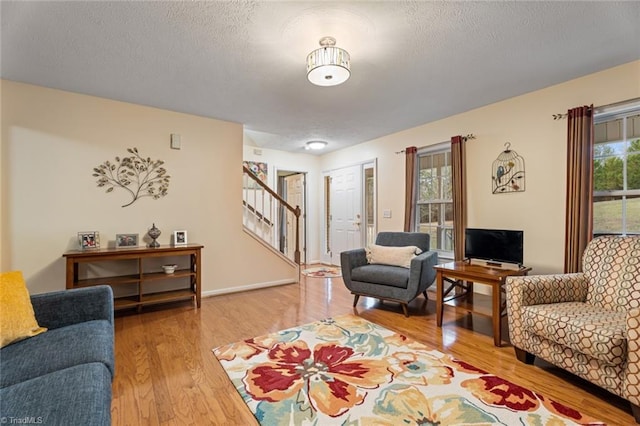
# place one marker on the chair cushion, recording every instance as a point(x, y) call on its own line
point(394, 276)
point(79, 395)
point(394, 256)
point(59, 348)
point(585, 328)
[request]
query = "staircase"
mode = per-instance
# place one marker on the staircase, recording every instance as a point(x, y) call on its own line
point(269, 218)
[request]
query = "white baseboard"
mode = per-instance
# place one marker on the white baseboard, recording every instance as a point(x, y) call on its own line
point(255, 286)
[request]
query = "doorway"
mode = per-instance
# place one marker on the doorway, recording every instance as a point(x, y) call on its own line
point(370, 220)
point(349, 195)
point(292, 188)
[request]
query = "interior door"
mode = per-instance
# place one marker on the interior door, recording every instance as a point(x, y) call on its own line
point(345, 211)
point(295, 197)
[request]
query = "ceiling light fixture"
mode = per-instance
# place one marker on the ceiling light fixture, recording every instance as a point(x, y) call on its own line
point(329, 65)
point(315, 145)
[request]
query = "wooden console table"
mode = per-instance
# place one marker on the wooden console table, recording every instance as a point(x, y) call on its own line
point(142, 285)
point(495, 277)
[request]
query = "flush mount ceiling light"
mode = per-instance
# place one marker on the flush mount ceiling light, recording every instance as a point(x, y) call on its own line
point(315, 145)
point(329, 65)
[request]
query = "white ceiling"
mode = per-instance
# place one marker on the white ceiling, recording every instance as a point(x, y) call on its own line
point(413, 62)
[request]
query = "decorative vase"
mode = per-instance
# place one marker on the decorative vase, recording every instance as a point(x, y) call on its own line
point(154, 233)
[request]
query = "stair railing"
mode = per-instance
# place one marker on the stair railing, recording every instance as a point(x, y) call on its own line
point(261, 205)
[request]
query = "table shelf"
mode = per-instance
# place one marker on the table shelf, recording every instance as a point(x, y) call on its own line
point(166, 296)
point(111, 280)
point(125, 302)
point(149, 276)
point(470, 307)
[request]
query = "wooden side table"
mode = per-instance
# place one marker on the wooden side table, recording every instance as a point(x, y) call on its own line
point(495, 277)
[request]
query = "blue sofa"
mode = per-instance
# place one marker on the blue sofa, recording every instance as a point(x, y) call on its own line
point(63, 376)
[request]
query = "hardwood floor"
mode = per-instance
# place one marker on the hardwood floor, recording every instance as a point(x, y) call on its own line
point(166, 373)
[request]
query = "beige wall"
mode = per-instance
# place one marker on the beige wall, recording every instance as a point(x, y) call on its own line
point(52, 140)
point(524, 121)
point(298, 162)
point(2, 180)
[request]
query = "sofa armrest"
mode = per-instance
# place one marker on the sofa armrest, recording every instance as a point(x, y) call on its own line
point(61, 308)
point(537, 290)
point(631, 384)
point(354, 258)
point(349, 260)
point(542, 289)
point(422, 274)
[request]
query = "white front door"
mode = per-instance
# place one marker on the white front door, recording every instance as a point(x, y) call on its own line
point(345, 211)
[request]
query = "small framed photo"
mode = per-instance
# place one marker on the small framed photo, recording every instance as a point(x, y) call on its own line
point(179, 238)
point(89, 240)
point(126, 240)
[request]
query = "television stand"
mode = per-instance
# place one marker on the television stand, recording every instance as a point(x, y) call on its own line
point(495, 277)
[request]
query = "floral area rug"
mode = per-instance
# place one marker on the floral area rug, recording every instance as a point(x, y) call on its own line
point(348, 371)
point(322, 272)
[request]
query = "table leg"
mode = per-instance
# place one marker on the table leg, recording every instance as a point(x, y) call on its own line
point(495, 314)
point(198, 265)
point(470, 291)
point(439, 301)
point(72, 273)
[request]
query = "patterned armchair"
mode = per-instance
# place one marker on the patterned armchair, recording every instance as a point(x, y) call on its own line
point(587, 323)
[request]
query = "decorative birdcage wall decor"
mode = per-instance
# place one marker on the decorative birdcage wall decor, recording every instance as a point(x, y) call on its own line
point(508, 172)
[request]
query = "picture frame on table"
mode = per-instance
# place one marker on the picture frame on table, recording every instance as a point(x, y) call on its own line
point(179, 238)
point(126, 240)
point(89, 240)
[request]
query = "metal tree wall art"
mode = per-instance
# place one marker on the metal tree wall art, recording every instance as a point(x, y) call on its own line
point(140, 177)
point(508, 172)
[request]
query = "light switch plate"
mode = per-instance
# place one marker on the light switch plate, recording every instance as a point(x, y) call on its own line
point(175, 141)
point(386, 214)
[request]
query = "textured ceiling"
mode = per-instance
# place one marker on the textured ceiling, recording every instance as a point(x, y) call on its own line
point(412, 61)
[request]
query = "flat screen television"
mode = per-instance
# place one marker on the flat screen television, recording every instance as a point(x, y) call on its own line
point(494, 245)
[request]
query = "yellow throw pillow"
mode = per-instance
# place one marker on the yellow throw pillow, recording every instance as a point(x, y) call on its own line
point(392, 255)
point(17, 319)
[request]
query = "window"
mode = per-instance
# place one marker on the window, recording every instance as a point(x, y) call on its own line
point(434, 198)
point(616, 172)
point(370, 203)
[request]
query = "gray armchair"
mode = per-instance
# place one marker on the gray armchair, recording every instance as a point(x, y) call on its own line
point(386, 282)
